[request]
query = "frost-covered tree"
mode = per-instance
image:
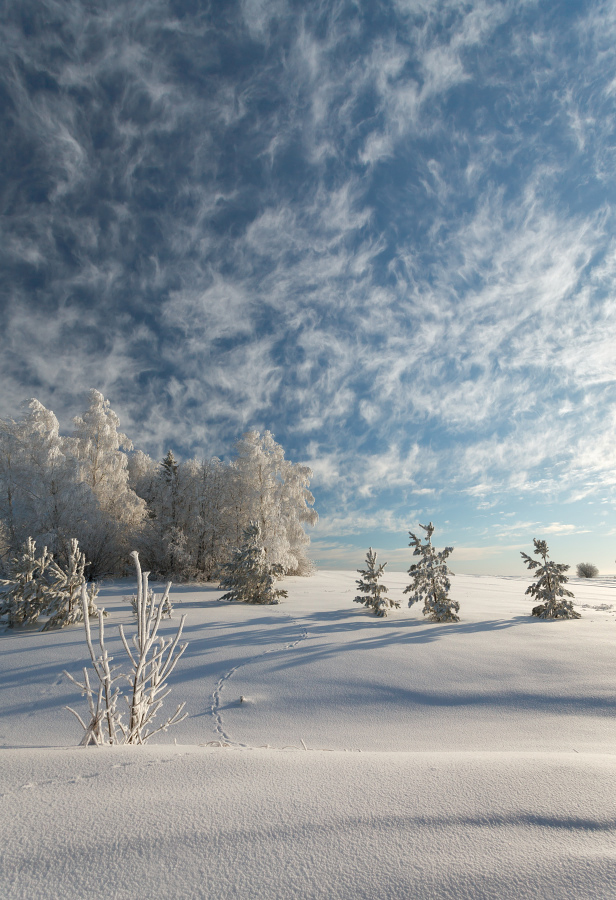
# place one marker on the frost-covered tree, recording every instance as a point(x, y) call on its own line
point(549, 585)
point(29, 591)
point(98, 446)
point(40, 491)
point(431, 579)
point(249, 577)
point(40, 586)
point(65, 606)
point(371, 591)
point(274, 492)
point(586, 570)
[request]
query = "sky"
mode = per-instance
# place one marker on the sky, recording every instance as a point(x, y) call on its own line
point(384, 231)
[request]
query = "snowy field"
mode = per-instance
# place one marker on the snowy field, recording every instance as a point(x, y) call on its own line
point(369, 758)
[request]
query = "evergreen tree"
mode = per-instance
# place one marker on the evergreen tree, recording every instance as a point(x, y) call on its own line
point(65, 606)
point(248, 577)
point(372, 591)
point(29, 589)
point(431, 579)
point(549, 585)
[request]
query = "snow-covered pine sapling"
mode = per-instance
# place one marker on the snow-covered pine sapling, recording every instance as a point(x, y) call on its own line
point(248, 577)
point(152, 660)
point(372, 592)
point(29, 590)
point(65, 606)
point(549, 585)
point(431, 579)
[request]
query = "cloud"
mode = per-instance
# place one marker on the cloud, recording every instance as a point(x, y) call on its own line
point(384, 233)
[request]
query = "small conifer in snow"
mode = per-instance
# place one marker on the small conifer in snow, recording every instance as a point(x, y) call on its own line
point(431, 579)
point(39, 586)
point(372, 591)
point(549, 585)
point(248, 577)
point(151, 600)
point(29, 589)
point(65, 607)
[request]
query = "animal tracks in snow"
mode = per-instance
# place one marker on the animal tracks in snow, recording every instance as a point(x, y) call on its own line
point(216, 708)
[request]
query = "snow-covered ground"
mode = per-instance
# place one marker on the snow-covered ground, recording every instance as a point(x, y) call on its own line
point(369, 758)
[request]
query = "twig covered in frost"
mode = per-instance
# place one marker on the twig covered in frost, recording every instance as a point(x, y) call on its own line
point(104, 713)
point(152, 660)
point(149, 687)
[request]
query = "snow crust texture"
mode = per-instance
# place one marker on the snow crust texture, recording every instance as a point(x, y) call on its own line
point(143, 823)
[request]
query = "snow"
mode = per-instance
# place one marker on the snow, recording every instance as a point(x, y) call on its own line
point(369, 758)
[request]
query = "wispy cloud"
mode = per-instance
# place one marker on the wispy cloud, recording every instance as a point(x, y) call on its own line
point(384, 232)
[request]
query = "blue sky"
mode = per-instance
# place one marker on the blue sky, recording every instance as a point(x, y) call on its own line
point(384, 231)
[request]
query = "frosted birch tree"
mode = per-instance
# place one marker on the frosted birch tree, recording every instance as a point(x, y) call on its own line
point(275, 494)
point(431, 579)
point(99, 447)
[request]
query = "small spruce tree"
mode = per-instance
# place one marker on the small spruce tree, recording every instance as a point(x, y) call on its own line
point(372, 591)
point(29, 590)
point(65, 606)
point(248, 577)
point(549, 585)
point(431, 579)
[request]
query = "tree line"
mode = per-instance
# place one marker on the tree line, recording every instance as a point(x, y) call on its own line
point(185, 518)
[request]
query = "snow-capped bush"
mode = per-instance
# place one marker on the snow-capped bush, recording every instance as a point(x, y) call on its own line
point(431, 579)
point(549, 585)
point(151, 660)
point(372, 591)
point(586, 570)
point(248, 577)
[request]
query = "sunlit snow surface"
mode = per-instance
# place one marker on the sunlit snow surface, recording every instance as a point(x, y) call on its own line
point(469, 760)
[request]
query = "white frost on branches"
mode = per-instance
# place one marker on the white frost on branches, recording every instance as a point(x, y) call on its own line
point(152, 659)
point(39, 586)
point(248, 576)
point(372, 592)
point(549, 585)
point(431, 579)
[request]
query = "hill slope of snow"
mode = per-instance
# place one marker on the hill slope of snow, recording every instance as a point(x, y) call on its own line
point(368, 758)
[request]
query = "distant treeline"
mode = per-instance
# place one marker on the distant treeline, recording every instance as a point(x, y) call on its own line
point(184, 518)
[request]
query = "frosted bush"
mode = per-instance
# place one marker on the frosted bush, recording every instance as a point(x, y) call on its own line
point(151, 660)
point(587, 570)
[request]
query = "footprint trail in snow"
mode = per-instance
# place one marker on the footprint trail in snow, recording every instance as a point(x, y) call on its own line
point(215, 707)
